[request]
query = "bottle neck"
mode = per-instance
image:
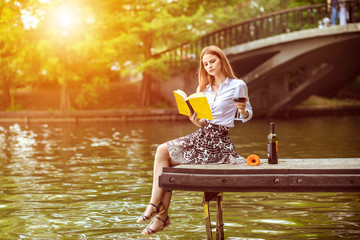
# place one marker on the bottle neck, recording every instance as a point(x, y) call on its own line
point(272, 128)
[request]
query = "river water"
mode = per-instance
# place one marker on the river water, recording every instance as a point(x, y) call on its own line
point(92, 181)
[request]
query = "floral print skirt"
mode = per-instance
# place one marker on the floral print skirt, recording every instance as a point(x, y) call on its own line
point(208, 145)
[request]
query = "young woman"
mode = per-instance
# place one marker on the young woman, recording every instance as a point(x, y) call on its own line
point(210, 144)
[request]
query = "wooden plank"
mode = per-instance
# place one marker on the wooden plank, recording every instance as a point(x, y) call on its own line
point(219, 217)
point(259, 183)
point(288, 164)
point(196, 170)
point(290, 175)
point(207, 218)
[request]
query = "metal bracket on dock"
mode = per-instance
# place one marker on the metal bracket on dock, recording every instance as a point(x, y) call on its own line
point(212, 196)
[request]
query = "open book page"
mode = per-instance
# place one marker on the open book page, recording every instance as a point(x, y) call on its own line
point(181, 98)
point(201, 105)
point(197, 101)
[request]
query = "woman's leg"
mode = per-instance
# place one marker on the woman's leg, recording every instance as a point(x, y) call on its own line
point(162, 219)
point(162, 159)
point(166, 199)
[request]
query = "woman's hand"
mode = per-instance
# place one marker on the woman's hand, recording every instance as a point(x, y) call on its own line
point(241, 108)
point(197, 121)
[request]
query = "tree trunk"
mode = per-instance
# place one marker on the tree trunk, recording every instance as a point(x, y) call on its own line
point(146, 81)
point(64, 97)
point(5, 96)
point(145, 90)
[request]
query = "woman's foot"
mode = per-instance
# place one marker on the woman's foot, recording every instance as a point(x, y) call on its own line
point(150, 211)
point(159, 222)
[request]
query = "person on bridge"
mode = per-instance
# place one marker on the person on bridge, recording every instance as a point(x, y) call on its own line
point(343, 14)
point(210, 144)
point(333, 6)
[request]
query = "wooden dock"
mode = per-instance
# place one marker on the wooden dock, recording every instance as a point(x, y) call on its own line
point(289, 175)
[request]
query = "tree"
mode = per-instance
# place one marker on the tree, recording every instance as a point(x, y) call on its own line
point(11, 50)
point(153, 26)
point(75, 43)
point(71, 52)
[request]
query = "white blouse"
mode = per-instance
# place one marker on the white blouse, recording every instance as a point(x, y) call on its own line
point(222, 105)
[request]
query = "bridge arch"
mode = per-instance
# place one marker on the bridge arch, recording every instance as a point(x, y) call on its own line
point(267, 52)
point(328, 58)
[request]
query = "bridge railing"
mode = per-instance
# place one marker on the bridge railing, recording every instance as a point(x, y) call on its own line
point(284, 21)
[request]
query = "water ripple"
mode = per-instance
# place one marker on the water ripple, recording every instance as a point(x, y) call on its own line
point(91, 181)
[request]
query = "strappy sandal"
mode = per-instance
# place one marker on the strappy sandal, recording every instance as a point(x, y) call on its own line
point(144, 218)
point(165, 222)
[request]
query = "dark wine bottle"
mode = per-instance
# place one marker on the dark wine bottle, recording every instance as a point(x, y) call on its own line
point(272, 146)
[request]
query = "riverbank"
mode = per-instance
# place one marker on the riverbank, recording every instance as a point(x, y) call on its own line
point(168, 114)
point(122, 115)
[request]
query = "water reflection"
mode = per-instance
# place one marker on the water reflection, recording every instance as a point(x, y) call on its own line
point(91, 181)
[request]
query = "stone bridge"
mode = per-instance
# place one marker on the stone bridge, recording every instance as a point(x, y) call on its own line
point(283, 57)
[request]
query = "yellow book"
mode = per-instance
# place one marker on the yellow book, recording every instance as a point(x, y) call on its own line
point(196, 102)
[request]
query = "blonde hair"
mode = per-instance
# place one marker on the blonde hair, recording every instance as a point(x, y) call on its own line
point(204, 77)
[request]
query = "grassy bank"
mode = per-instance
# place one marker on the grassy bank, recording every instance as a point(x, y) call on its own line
point(316, 101)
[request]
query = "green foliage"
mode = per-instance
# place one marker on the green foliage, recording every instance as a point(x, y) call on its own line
point(296, 3)
point(355, 85)
point(157, 67)
point(75, 55)
point(14, 106)
point(87, 96)
point(11, 50)
point(39, 44)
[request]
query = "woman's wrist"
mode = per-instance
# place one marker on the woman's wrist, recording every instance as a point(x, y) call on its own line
point(244, 114)
point(200, 123)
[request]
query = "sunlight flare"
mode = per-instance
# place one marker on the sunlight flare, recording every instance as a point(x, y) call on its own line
point(64, 16)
